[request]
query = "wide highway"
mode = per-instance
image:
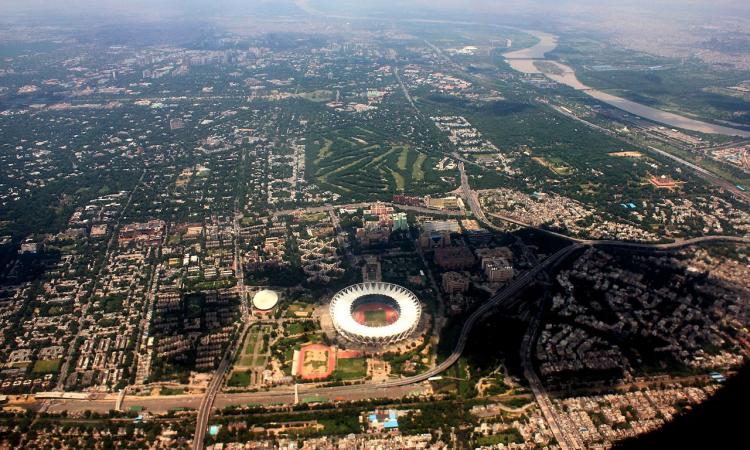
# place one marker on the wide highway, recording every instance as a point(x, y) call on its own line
point(370, 389)
point(499, 299)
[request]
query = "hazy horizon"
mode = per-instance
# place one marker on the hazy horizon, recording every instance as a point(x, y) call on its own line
point(157, 9)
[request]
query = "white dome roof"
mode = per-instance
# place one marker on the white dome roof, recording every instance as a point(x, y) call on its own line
point(265, 299)
point(410, 311)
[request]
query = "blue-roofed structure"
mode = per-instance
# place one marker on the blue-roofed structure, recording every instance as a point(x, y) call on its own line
point(383, 420)
point(392, 420)
point(390, 424)
point(716, 376)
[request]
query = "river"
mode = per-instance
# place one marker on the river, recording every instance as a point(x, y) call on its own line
point(526, 60)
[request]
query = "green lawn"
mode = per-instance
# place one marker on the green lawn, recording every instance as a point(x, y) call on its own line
point(239, 379)
point(295, 328)
point(304, 310)
point(318, 96)
point(509, 436)
point(246, 361)
point(46, 366)
point(351, 368)
point(213, 285)
point(403, 158)
point(376, 167)
point(517, 402)
point(171, 391)
point(245, 358)
point(324, 151)
point(250, 342)
point(398, 179)
point(417, 171)
point(375, 318)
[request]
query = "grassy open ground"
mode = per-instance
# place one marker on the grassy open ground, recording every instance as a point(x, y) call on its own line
point(363, 164)
point(351, 368)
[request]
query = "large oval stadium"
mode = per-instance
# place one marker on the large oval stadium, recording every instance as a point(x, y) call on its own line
point(375, 313)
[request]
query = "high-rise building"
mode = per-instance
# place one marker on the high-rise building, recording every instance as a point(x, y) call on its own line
point(497, 270)
point(453, 258)
point(400, 222)
point(434, 239)
point(455, 283)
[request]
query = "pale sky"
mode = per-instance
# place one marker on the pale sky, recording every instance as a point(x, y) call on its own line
point(202, 8)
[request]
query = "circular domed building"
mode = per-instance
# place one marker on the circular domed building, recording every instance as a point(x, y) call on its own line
point(265, 300)
point(375, 313)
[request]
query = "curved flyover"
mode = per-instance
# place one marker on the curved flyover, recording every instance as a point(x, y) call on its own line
point(521, 282)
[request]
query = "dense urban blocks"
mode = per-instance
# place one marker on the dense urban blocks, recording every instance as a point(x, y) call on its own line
point(375, 313)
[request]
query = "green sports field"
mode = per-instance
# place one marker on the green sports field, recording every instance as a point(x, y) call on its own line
point(375, 318)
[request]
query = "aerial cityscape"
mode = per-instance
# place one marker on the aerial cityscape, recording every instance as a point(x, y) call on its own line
point(404, 224)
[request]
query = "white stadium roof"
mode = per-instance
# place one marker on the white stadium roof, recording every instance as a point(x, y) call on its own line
point(410, 310)
point(265, 299)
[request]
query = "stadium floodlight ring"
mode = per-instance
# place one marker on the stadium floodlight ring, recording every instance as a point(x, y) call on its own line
point(407, 304)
